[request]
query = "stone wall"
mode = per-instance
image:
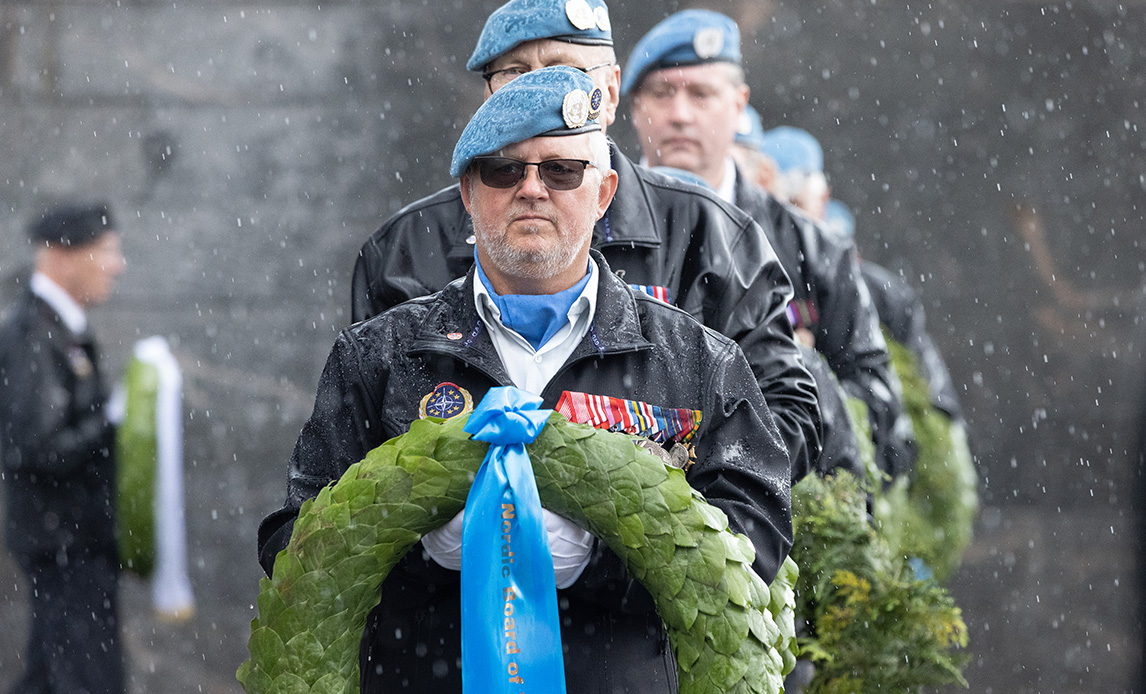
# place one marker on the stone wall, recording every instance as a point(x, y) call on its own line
point(992, 151)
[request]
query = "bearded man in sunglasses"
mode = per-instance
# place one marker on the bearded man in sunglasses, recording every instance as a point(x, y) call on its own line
point(662, 236)
point(541, 311)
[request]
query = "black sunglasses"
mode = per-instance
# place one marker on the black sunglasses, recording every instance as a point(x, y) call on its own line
point(556, 174)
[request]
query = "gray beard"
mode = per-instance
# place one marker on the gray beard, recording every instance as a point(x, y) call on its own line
point(515, 262)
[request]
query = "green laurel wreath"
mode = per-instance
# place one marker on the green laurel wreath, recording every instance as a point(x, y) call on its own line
point(137, 450)
point(930, 515)
point(869, 626)
point(872, 628)
point(730, 632)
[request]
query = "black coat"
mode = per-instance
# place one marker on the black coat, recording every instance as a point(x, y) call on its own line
point(55, 440)
point(714, 260)
point(841, 447)
point(637, 348)
point(902, 312)
point(835, 305)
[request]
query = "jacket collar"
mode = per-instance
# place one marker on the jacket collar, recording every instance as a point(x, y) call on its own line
point(616, 325)
point(67, 308)
point(742, 191)
point(33, 307)
point(452, 324)
point(751, 197)
point(630, 217)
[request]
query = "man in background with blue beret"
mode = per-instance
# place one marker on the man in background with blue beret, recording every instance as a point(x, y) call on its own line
point(688, 100)
point(58, 447)
point(799, 166)
point(541, 311)
point(671, 240)
point(799, 163)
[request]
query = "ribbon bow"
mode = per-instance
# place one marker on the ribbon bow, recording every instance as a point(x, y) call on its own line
point(511, 634)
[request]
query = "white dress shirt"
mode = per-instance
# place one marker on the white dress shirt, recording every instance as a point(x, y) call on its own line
point(727, 189)
point(61, 302)
point(530, 369)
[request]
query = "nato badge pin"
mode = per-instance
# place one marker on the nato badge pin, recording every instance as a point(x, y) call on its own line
point(446, 401)
point(603, 22)
point(580, 14)
point(595, 98)
point(575, 108)
point(708, 42)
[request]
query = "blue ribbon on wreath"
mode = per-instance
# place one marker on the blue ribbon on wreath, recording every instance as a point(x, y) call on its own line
point(511, 633)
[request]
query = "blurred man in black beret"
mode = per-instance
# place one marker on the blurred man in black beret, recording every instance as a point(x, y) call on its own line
point(57, 450)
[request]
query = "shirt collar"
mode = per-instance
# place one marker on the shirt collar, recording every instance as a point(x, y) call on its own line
point(585, 303)
point(727, 189)
point(61, 302)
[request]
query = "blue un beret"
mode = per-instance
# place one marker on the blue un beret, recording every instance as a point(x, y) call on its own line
point(551, 101)
point(518, 21)
point(793, 149)
point(72, 224)
point(689, 37)
point(839, 220)
point(750, 129)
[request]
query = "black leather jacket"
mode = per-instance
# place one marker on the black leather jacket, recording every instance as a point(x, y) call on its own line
point(841, 447)
point(55, 440)
point(902, 312)
point(833, 302)
point(714, 260)
point(637, 348)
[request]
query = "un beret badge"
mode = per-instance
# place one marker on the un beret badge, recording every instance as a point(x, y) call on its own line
point(603, 22)
point(580, 14)
point(708, 42)
point(575, 108)
point(595, 98)
point(446, 401)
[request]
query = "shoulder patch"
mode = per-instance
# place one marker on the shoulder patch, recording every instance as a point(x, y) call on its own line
point(446, 401)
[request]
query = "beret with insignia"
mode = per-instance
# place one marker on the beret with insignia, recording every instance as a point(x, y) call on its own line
point(750, 129)
point(516, 22)
point(72, 224)
point(549, 102)
point(689, 37)
point(793, 149)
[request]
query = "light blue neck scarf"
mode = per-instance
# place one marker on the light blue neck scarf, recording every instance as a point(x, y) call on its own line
point(536, 317)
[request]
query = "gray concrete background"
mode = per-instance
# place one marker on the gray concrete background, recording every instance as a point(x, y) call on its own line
point(992, 150)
